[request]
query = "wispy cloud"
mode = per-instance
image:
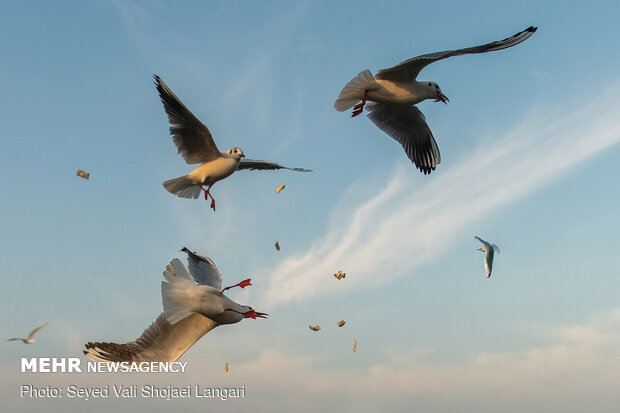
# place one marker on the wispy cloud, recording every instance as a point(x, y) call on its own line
point(412, 219)
point(579, 361)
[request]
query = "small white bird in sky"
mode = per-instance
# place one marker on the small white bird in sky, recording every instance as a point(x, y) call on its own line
point(195, 143)
point(490, 250)
point(194, 304)
point(395, 91)
point(29, 339)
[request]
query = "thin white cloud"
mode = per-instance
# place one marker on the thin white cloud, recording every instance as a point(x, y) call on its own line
point(579, 361)
point(413, 218)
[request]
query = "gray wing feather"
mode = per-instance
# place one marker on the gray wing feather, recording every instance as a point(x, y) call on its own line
point(191, 137)
point(162, 341)
point(252, 164)
point(203, 269)
point(407, 125)
point(409, 69)
point(484, 243)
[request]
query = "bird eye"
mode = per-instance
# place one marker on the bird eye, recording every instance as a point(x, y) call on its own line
point(430, 84)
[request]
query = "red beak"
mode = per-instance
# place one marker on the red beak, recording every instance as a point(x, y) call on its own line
point(254, 314)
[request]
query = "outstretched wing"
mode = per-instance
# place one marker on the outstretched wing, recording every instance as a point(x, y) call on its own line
point(33, 332)
point(162, 341)
point(485, 244)
point(488, 262)
point(409, 69)
point(408, 126)
point(252, 164)
point(203, 269)
point(191, 137)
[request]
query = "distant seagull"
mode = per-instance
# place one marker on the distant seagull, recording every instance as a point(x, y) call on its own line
point(29, 339)
point(194, 304)
point(395, 91)
point(196, 145)
point(490, 250)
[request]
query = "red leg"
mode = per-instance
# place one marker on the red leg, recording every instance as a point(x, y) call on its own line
point(208, 194)
point(242, 284)
point(359, 108)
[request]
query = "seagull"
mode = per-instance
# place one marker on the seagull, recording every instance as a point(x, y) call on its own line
point(194, 304)
point(195, 143)
point(490, 250)
point(394, 92)
point(29, 339)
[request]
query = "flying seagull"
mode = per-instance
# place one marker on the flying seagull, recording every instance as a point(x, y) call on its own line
point(29, 339)
point(394, 92)
point(490, 250)
point(195, 143)
point(194, 304)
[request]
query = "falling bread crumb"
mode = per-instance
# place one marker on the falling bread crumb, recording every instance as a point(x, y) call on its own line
point(83, 174)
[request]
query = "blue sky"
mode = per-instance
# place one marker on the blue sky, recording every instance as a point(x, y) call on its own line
point(529, 161)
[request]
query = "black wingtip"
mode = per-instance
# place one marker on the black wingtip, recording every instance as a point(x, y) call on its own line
point(531, 29)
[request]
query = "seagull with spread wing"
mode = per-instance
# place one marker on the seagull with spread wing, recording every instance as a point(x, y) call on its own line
point(195, 143)
point(394, 92)
point(194, 304)
point(490, 250)
point(29, 339)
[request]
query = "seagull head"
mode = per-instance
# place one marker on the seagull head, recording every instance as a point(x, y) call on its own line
point(235, 153)
point(436, 93)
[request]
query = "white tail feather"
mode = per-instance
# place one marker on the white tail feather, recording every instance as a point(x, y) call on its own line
point(182, 187)
point(354, 91)
point(179, 293)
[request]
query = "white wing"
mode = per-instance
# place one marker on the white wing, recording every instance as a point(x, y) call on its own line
point(162, 341)
point(488, 262)
point(180, 294)
point(203, 269)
